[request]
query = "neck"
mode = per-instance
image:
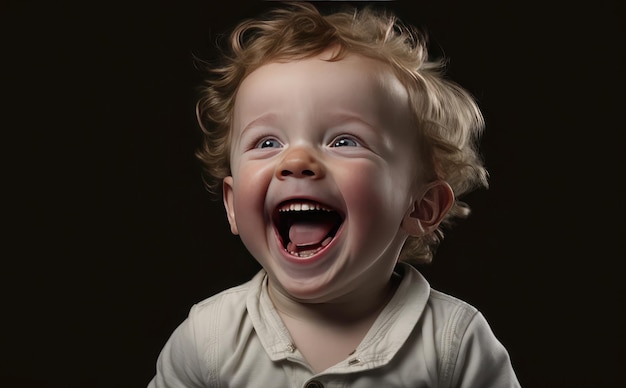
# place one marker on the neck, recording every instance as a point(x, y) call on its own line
point(348, 309)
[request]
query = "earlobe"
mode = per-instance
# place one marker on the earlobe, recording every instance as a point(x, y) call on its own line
point(229, 203)
point(429, 209)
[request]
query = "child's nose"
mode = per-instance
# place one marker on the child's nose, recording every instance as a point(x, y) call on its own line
point(299, 163)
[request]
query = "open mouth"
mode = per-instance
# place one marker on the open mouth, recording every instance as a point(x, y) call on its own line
point(305, 227)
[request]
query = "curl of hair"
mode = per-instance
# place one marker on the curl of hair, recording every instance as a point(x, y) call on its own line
point(446, 115)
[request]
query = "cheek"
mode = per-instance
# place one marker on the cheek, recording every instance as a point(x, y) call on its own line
point(250, 188)
point(250, 185)
point(373, 195)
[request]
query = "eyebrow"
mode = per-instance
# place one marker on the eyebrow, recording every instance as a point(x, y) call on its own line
point(346, 117)
point(263, 119)
point(337, 118)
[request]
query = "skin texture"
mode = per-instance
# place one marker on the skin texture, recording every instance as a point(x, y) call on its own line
point(340, 134)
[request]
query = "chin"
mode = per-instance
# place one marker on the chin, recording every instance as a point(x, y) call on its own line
point(311, 289)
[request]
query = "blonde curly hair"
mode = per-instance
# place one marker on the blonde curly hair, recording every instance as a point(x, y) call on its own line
point(446, 115)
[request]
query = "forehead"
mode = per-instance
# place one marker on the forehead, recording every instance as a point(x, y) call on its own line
point(355, 83)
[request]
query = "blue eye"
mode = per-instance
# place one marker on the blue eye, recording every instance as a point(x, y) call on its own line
point(269, 143)
point(344, 142)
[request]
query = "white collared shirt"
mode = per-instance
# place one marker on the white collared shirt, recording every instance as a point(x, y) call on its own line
point(422, 338)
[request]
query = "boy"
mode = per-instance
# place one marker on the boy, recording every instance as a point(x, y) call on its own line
point(340, 150)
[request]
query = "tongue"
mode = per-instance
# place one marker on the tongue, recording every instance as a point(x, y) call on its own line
point(303, 233)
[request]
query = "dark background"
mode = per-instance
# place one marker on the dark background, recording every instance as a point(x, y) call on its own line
point(109, 235)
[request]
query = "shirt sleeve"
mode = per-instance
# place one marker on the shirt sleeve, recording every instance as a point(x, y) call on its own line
point(482, 361)
point(179, 363)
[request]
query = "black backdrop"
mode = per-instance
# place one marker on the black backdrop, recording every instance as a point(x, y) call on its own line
point(109, 235)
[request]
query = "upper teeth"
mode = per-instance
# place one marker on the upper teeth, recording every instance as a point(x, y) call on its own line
point(302, 206)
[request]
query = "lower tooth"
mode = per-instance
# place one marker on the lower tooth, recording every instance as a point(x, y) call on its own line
point(308, 253)
point(292, 248)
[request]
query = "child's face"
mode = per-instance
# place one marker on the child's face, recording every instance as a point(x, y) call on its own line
point(333, 135)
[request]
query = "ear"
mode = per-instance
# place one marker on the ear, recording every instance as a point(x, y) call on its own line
point(429, 209)
point(229, 202)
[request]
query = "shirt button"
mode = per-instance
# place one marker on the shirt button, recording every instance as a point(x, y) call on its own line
point(314, 384)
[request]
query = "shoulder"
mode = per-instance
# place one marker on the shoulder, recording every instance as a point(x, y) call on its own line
point(470, 352)
point(222, 315)
point(447, 308)
point(230, 300)
point(189, 357)
point(207, 317)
